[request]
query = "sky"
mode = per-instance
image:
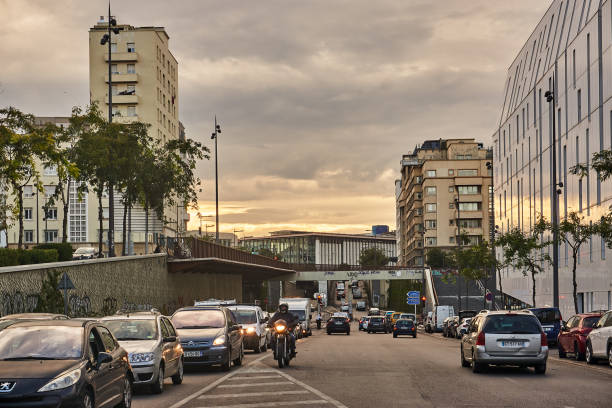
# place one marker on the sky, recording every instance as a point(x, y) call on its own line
point(317, 99)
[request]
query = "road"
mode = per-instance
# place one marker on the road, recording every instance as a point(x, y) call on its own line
point(364, 370)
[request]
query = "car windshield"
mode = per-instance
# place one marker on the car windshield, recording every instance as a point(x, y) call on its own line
point(376, 319)
point(41, 343)
point(590, 322)
point(132, 329)
point(244, 316)
point(547, 316)
point(84, 250)
point(339, 318)
point(198, 319)
point(511, 324)
point(404, 323)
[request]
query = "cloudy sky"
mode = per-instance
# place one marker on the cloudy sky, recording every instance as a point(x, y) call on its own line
point(317, 99)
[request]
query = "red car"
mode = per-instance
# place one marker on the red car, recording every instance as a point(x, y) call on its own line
point(573, 335)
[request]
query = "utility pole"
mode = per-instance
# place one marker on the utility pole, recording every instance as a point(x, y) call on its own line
point(458, 245)
point(215, 136)
point(492, 236)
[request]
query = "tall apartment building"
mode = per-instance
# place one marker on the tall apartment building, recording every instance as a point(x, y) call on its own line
point(572, 42)
point(144, 88)
point(445, 183)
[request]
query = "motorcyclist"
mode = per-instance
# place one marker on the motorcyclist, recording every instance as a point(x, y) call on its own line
point(319, 320)
point(292, 321)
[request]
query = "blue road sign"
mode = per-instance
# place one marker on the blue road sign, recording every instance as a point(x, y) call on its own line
point(413, 297)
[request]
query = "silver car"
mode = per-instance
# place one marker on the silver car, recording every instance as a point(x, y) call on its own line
point(256, 337)
point(153, 347)
point(599, 341)
point(504, 338)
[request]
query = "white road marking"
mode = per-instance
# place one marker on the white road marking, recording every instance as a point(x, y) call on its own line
point(271, 404)
point(313, 390)
point(253, 394)
point(256, 377)
point(253, 384)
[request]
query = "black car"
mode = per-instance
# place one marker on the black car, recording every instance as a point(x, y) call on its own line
point(404, 327)
point(209, 336)
point(377, 323)
point(338, 324)
point(67, 363)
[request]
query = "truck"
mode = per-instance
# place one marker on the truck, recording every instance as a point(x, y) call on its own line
point(435, 320)
point(300, 307)
point(340, 290)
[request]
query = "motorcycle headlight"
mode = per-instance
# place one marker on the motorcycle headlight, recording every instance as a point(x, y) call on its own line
point(219, 341)
point(136, 358)
point(63, 381)
point(280, 328)
point(250, 330)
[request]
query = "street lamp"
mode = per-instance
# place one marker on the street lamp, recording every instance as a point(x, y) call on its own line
point(106, 39)
point(215, 136)
point(492, 232)
point(235, 231)
point(458, 245)
point(201, 217)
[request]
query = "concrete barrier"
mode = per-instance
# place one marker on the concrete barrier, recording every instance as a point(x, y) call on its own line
point(103, 286)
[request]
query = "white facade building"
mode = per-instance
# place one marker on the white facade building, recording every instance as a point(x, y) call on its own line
point(572, 43)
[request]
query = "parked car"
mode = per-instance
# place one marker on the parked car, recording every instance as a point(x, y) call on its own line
point(209, 335)
point(35, 316)
point(573, 335)
point(254, 325)
point(67, 363)
point(504, 338)
point(338, 324)
point(599, 340)
point(363, 322)
point(153, 347)
point(453, 323)
point(376, 324)
point(463, 326)
point(404, 327)
point(85, 253)
point(550, 318)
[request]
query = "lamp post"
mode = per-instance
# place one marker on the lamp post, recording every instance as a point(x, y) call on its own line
point(492, 234)
point(206, 226)
point(106, 39)
point(459, 246)
point(235, 238)
point(215, 136)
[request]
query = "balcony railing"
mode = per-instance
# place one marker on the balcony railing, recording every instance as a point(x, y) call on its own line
point(122, 77)
point(122, 56)
point(123, 99)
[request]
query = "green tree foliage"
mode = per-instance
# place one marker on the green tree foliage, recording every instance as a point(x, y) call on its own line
point(51, 298)
point(373, 257)
point(474, 262)
point(525, 251)
point(438, 258)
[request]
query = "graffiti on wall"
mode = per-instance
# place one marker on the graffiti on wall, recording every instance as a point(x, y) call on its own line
point(79, 306)
point(18, 303)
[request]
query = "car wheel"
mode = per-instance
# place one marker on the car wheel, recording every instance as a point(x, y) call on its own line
point(228, 363)
point(86, 400)
point(540, 369)
point(348, 333)
point(577, 354)
point(329, 333)
point(238, 360)
point(158, 386)
point(464, 362)
point(414, 336)
point(589, 354)
point(178, 377)
point(610, 356)
point(562, 353)
point(126, 400)
point(476, 367)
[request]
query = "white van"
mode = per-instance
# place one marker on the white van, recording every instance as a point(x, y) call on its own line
point(301, 308)
point(439, 314)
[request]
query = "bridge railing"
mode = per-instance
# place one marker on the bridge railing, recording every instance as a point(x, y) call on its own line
point(341, 267)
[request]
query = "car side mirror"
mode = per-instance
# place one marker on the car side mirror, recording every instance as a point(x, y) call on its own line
point(170, 339)
point(104, 358)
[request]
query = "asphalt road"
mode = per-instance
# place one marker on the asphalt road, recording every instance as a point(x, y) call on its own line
point(375, 370)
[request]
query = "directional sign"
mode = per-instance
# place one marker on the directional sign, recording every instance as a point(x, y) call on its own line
point(413, 297)
point(65, 282)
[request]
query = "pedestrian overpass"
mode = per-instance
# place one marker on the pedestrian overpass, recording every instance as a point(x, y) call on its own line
point(385, 273)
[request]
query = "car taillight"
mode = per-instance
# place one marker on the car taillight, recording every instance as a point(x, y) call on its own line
point(413, 329)
point(347, 320)
point(480, 341)
point(395, 328)
point(543, 339)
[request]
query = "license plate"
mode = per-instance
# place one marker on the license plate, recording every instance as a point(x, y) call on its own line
point(547, 329)
point(513, 344)
point(193, 354)
point(339, 323)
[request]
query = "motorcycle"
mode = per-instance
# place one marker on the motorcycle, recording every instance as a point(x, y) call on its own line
point(282, 351)
point(318, 324)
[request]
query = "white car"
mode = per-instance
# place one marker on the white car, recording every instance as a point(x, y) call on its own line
point(599, 340)
point(85, 253)
point(256, 337)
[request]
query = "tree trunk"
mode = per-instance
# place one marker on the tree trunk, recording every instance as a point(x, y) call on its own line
point(575, 293)
point(124, 231)
point(20, 204)
point(66, 202)
point(146, 240)
point(533, 280)
point(101, 227)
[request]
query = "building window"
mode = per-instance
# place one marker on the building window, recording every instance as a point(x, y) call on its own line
point(116, 111)
point(131, 68)
point(467, 172)
point(431, 241)
point(52, 214)
point(451, 206)
point(462, 190)
point(49, 191)
point(463, 157)
point(418, 196)
point(451, 172)
point(105, 213)
point(430, 191)
point(451, 189)
point(574, 68)
point(27, 213)
point(113, 47)
point(131, 111)
point(470, 206)
point(28, 236)
point(451, 240)
point(50, 235)
point(28, 191)
point(603, 252)
point(430, 207)
point(419, 211)
point(114, 69)
point(579, 102)
point(431, 173)
point(470, 223)
point(130, 90)
point(131, 47)
point(114, 90)
point(50, 171)
point(430, 224)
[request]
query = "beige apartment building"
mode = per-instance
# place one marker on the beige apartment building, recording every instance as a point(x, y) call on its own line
point(445, 183)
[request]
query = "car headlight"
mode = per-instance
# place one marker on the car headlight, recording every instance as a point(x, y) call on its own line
point(63, 381)
point(250, 330)
point(136, 358)
point(219, 341)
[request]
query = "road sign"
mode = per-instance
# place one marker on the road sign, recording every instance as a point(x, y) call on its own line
point(65, 282)
point(489, 296)
point(413, 297)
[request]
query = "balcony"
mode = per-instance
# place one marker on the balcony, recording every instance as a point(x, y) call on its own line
point(122, 56)
point(124, 119)
point(122, 77)
point(123, 99)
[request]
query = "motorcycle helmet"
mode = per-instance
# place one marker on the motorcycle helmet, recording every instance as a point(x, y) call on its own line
point(284, 306)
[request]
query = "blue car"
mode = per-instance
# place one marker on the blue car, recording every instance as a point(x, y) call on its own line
point(550, 318)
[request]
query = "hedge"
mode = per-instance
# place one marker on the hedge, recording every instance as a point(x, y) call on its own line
point(12, 257)
point(64, 250)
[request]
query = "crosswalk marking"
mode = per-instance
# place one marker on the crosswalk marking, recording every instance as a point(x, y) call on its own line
point(271, 404)
point(253, 394)
point(254, 385)
point(257, 377)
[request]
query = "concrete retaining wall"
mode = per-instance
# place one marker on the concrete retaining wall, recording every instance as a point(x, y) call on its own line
point(106, 285)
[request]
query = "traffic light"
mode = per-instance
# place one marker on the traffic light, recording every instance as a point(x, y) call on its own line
point(424, 298)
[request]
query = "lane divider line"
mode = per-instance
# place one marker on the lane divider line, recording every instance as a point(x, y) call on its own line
point(252, 394)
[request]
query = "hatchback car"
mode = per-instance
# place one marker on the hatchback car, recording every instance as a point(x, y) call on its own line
point(338, 324)
point(404, 327)
point(550, 319)
point(599, 340)
point(254, 327)
point(504, 338)
point(377, 324)
point(209, 335)
point(463, 326)
point(573, 335)
point(67, 363)
point(363, 322)
point(153, 347)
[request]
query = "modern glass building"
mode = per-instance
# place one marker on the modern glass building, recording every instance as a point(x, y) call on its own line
point(569, 53)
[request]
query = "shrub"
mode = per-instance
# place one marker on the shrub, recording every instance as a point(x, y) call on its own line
point(9, 257)
point(63, 249)
point(36, 256)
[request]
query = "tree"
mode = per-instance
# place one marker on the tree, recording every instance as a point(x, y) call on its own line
point(373, 257)
point(51, 299)
point(438, 258)
point(524, 251)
